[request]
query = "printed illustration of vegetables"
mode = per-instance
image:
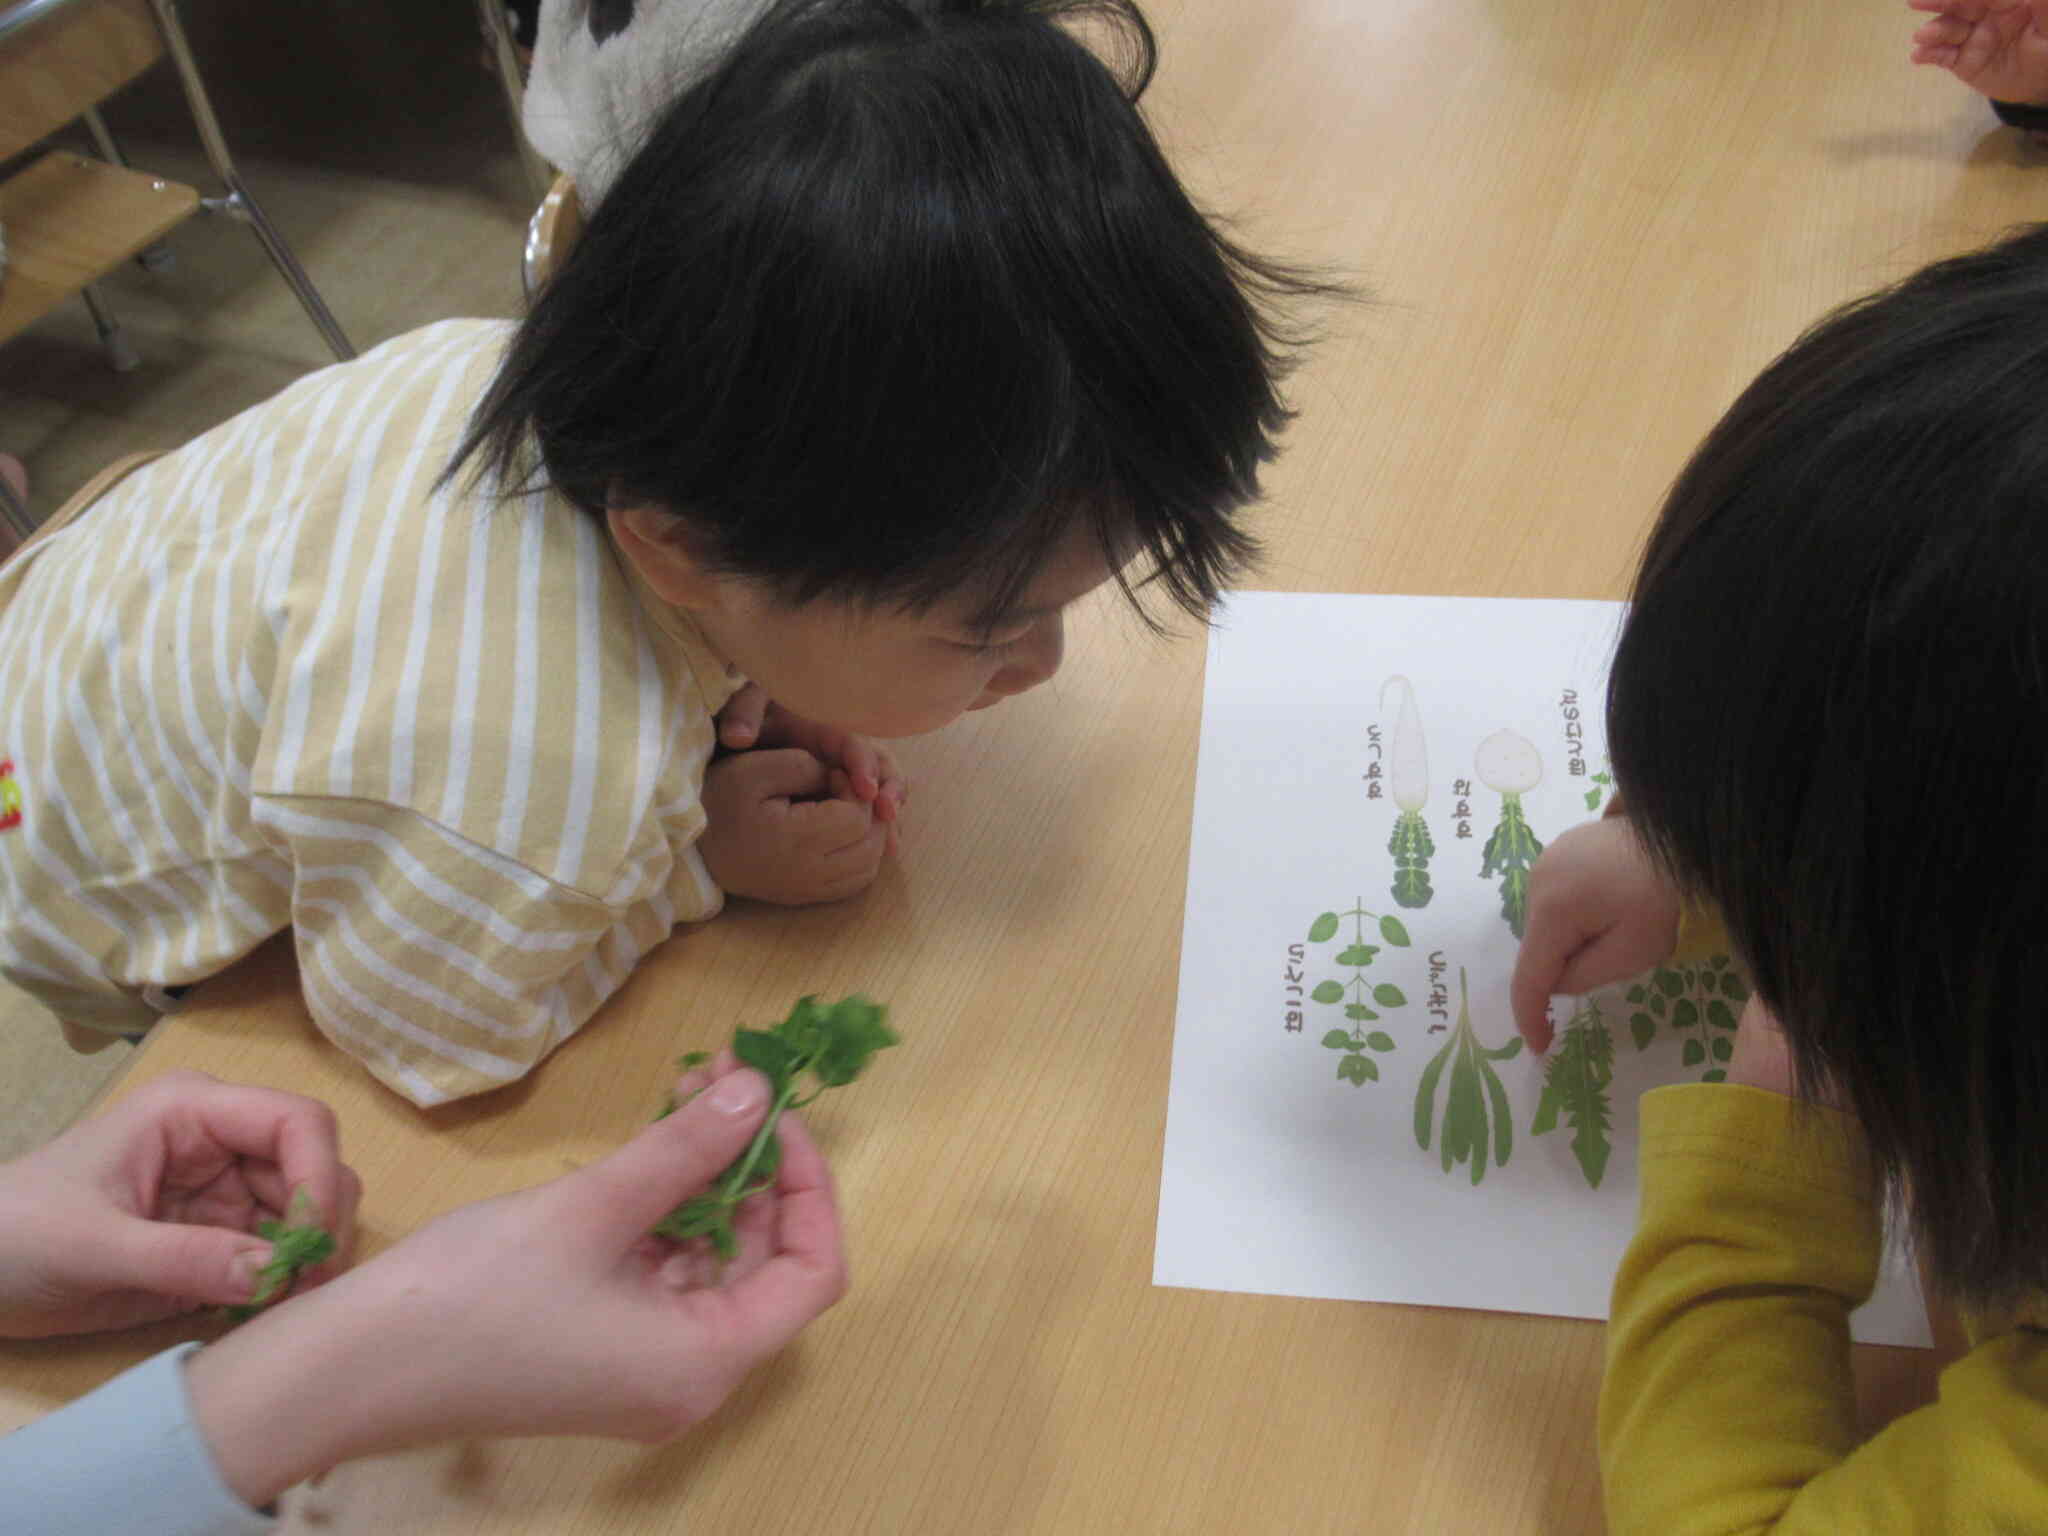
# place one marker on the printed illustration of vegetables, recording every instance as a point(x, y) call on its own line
point(830, 1042)
point(1699, 1004)
point(1411, 845)
point(1575, 1086)
point(1508, 764)
point(1475, 1110)
point(1602, 782)
point(1355, 1066)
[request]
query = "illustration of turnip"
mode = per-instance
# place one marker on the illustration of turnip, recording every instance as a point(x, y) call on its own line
point(1411, 845)
point(1508, 764)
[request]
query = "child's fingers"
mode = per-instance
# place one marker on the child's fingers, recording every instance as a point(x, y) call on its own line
point(782, 773)
point(832, 826)
point(739, 723)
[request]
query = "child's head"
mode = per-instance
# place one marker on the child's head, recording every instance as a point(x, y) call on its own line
point(902, 309)
point(1829, 716)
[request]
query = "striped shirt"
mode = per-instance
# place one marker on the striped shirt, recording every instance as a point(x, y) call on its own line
point(276, 679)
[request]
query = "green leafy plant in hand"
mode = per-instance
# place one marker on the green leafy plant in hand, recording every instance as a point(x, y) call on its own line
point(1356, 1066)
point(1411, 845)
point(296, 1244)
point(1509, 765)
point(1699, 1005)
point(1476, 1114)
point(827, 1045)
point(1575, 1085)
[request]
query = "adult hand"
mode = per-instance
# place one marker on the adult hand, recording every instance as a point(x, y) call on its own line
point(551, 1311)
point(768, 835)
point(148, 1210)
point(751, 719)
point(1998, 47)
point(1599, 912)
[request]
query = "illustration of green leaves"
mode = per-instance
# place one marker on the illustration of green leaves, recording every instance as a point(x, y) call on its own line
point(1358, 1012)
point(1328, 992)
point(1643, 1028)
point(1393, 932)
point(1509, 852)
point(1720, 1015)
point(1695, 1053)
point(1387, 995)
point(1476, 1115)
point(1358, 1070)
point(1380, 1040)
point(1723, 1047)
point(1602, 782)
point(1357, 955)
point(1411, 846)
point(1575, 1086)
point(1323, 928)
point(1338, 1040)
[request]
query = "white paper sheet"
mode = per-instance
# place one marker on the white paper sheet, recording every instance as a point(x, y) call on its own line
point(1282, 1177)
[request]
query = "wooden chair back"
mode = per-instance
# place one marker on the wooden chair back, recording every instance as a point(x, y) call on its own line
point(60, 57)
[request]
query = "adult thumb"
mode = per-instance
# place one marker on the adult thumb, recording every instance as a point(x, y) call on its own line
point(195, 1263)
point(674, 1158)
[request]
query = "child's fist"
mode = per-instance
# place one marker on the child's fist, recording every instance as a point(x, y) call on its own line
point(768, 835)
point(1599, 912)
point(1997, 47)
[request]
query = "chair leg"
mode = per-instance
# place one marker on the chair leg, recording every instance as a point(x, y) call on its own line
point(121, 355)
point(14, 515)
point(498, 36)
point(239, 203)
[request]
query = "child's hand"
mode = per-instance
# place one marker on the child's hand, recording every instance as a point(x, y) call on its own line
point(549, 1311)
point(1997, 47)
point(769, 836)
point(751, 719)
point(1599, 912)
point(149, 1210)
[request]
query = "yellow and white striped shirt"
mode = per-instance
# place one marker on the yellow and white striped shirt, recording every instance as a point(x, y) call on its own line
point(276, 679)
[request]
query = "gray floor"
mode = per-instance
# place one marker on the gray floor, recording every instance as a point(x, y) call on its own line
point(374, 136)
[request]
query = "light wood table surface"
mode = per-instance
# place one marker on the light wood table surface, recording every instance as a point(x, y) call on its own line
point(1586, 224)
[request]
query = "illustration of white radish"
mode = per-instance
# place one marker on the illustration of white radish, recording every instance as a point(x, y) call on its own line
point(1411, 845)
point(1509, 765)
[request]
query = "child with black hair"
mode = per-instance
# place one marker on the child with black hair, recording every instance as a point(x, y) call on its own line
point(895, 338)
point(1828, 718)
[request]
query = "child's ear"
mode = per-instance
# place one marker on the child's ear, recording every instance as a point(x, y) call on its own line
point(661, 549)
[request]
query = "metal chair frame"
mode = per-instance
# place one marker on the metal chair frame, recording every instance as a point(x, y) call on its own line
point(238, 203)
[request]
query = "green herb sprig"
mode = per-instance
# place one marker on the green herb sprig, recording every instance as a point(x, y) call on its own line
point(297, 1243)
point(830, 1044)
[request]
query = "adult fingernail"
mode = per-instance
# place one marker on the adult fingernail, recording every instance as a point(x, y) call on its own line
point(738, 1094)
point(247, 1268)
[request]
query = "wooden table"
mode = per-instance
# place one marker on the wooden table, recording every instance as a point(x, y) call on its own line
point(1587, 223)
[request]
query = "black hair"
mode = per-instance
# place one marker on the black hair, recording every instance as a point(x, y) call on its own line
point(1829, 718)
point(895, 298)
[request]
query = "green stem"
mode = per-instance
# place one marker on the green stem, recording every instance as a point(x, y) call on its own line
point(736, 1181)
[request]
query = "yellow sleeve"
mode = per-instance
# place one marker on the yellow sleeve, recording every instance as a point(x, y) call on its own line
point(1701, 935)
point(1728, 1404)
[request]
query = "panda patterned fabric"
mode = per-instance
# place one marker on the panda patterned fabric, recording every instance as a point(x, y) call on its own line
point(603, 71)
